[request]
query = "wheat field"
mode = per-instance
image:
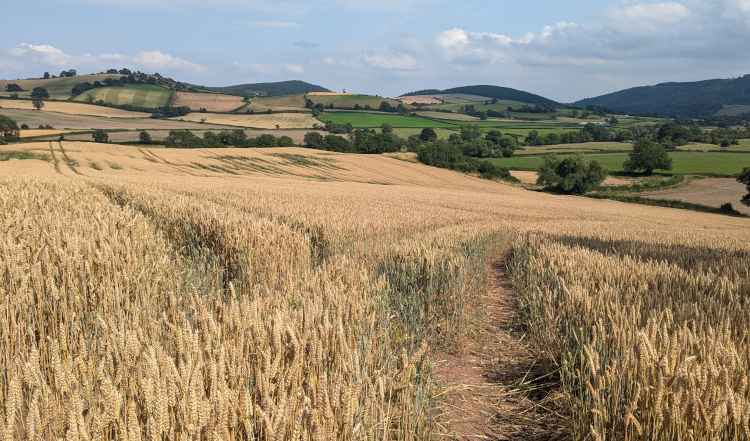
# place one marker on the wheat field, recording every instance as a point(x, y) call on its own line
point(283, 120)
point(273, 294)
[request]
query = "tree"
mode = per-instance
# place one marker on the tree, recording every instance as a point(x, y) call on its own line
point(385, 106)
point(46, 76)
point(38, 104)
point(9, 129)
point(100, 136)
point(386, 128)
point(314, 140)
point(574, 113)
point(744, 178)
point(13, 96)
point(440, 154)
point(571, 175)
point(182, 139)
point(90, 98)
point(428, 135)
point(39, 92)
point(647, 156)
point(13, 88)
point(470, 132)
point(144, 137)
point(112, 71)
point(309, 103)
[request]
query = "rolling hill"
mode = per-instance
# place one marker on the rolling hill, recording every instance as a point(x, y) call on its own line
point(500, 93)
point(697, 99)
point(280, 88)
point(58, 88)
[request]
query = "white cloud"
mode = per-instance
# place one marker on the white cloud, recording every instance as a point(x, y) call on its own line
point(294, 68)
point(390, 61)
point(25, 57)
point(272, 24)
point(667, 12)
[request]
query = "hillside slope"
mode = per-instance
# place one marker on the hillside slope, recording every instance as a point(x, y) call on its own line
point(500, 93)
point(279, 88)
point(699, 98)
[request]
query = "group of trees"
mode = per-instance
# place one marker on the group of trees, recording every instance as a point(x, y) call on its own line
point(358, 141)
point(469, 109)
point(534, 109)
point(137, 78)
point(68, 73)
point(444, 154)
point(473, 142)
point(185, 139)
point(9, 130)
point(572, 175)
point(12, 87)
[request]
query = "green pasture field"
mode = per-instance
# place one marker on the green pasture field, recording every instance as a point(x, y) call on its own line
point(565, 149)
point(58, 88)
point(352, 100)
point(370, 120)
point(683, 162)
point(732, 110)
point(141, 95)
point(441, 133)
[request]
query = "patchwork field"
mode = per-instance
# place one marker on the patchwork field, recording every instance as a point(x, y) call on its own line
point(349, 100)
point(58, 88)
point(683, 162)
point(83, 122)
point(41, 132)
point(286, 293)
point(141, 95)
point(368, 120)
point(420, 99)
point(74, 109)
point(212, 102)
point(158, 136)
point(283, 120)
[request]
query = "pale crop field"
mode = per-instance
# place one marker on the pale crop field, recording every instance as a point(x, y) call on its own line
point(141, 95)
point(212, 102)
point(75, 109)
point(283, 120)
point(41, 132)
point(273, 294)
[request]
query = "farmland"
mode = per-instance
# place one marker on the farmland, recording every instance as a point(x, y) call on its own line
point(283, 120)
point(74, 109)
point(209, 278)
point(366, 120)
point(58, 88)
point(212, 102)
point(349, 100)
point(684, 162)
point(711, 191)
point(141, 95)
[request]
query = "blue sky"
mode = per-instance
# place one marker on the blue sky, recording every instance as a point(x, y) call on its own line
point(565, 50)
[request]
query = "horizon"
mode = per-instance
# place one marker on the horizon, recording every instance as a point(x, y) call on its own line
point(549, 48)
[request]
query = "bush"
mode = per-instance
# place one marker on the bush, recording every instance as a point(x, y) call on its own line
point(144, 137)
point(440, 154)
point(9, 129)
point(571, 175)
point(314, 140)
point(744, 178)
point(40, 93)
point(286, 141)
point(100, 136)
point(13, 88)
point(182, 139)
point(428, 135)
point(24, 127)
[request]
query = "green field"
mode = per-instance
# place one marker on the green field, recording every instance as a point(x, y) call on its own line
point(683, 162)
point(141, 95)
point(368, 120)
point(732, 110)
point(58, 88)
point(352, 100)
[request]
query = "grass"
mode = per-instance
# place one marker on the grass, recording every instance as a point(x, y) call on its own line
point(669, 203)
point(732, 110)
point(722, 164)
point(351, 100)
point(21, 155)
point(141, 95)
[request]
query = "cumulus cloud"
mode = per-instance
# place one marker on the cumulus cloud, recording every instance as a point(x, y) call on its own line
point(29, 56)
point(294, 68)
point(390, 60)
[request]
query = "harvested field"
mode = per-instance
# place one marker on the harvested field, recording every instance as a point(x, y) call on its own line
point(450, 116)
point(212, 102)
point(141, 95)
point(311, 94)
point(349, 100)
point(74, 109)
point(420, 99)
point(81, 122)
point(711, 191)
point(283, 120)
point(159, 135)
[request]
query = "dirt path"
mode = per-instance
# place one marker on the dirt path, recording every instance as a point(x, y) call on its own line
point(493, 391)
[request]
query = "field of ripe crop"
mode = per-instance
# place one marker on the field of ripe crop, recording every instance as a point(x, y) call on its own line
point(683, 162)
point(58, 88)
point(212, 102)
point(280, 102)
point(349, 100)
point(141, 95)
point(74, 109)
point(366, 120)
point(42, 132)
point(288, 294)
point(283, 120)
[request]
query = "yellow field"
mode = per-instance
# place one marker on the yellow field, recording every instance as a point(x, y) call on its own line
point(41, 132)
point(283, 120)
point(74, 109)
point(329, 94)
point(212, 102)
point(293, 294)
point(420, 99)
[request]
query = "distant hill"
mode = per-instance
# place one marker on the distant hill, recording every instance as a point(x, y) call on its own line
point(501, 93)
point(280, 88)
point(696, 99)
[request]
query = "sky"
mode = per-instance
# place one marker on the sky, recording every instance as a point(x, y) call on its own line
point(563, 50)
